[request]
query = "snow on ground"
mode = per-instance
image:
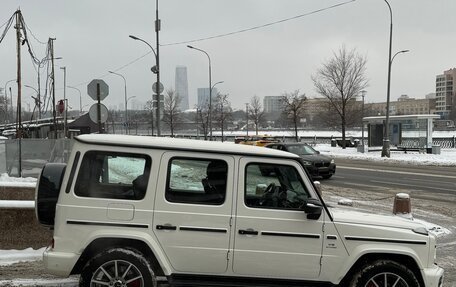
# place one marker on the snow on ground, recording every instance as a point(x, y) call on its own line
point(8, 181)
point(8, 257)
point(446, 158)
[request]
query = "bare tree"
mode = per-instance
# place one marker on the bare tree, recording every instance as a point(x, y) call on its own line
point(150, 117)
point(340, 80)
point(294, 108)
point(223, 111)
point(256, 112)
point(202, 118)
point(171, 111)
point(3, 108)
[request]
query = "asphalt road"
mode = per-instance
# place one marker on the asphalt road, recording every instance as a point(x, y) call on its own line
point(425, 182)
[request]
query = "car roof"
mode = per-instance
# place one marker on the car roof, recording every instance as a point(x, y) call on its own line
point(180, 144)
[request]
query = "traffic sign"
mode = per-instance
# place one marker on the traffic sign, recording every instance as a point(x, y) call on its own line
point(96, 87)
point(154, 98)
point(93, 113)
point(154, 88)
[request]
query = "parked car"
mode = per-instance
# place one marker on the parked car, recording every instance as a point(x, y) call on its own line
point(257, 140)
point(145, 211)
point(317, 165)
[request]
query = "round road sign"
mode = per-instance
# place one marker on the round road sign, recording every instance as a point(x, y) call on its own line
point(154, 88)
point(93, 113)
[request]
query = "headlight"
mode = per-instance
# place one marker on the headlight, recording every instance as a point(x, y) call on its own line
point(332, 161)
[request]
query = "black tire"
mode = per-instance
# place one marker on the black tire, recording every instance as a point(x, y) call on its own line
point(327, 176)
point(376, 271)
point(129, 263)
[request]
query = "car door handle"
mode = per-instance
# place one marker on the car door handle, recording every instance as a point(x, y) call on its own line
point(248, 232)
point(166, 227)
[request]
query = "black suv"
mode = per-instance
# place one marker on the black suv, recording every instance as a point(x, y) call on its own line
point(316, 164)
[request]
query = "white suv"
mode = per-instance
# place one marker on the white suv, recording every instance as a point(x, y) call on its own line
point(136, 211)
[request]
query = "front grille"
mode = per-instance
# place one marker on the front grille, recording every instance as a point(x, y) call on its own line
point(321, 164)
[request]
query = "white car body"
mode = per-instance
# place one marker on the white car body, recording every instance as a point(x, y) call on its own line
point(219, 241)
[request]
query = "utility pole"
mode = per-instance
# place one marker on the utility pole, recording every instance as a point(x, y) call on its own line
point(65, 103)
point(19, 90)
point(19, 81)
point(157, 30)
point(51, 48)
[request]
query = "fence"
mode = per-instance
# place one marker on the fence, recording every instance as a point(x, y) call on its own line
point(34, 154)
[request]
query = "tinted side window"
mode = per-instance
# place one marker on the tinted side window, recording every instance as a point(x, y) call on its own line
point(113, 175)
point(197, 181)
point(274, 186)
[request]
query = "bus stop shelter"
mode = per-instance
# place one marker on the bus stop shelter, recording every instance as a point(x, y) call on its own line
point(407, 131)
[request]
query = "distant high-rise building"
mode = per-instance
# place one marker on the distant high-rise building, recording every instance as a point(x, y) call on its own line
point(272, 104)
point(445, 89)
point(181, 85)
point(203, 96)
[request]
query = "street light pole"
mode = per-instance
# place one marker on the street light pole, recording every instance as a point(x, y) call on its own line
point(154, 70)
point(126, 109)
point(210, 89)
point(247, 114)
point(80, 98)
point(6, 101)
point(65, 103)
point(386, 142)
point(37, 99)
point(363, 94)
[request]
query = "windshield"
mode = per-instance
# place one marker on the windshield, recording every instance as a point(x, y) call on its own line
point(301, 150)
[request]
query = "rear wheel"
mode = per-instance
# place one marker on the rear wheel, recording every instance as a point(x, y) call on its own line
point(118, 268)
point(385, 273)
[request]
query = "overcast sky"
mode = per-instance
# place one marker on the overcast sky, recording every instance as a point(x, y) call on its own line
point(92, 37)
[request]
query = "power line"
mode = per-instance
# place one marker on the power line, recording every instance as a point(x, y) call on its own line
point(229, 34)
point(260, 26)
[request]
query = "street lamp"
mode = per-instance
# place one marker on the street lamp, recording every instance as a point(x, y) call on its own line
point(65, 103)
point(156, 70)
point(37, 101)
point(386, 142)
point(6, 101)
point(126, 109)
point(210, 89)
point(363, 94)
point(126, 100)
point(247, 118)
point(80, 98)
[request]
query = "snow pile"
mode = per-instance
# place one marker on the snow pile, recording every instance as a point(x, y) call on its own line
point(8, 257)
point(446, 158)
point(434, 229)
point(8, 181)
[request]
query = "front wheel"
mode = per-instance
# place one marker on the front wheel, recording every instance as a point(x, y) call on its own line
point(118, 268)
point(385, 273)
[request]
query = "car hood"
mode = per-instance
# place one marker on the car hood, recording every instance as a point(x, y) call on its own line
point(355, 217)
point(316, 157)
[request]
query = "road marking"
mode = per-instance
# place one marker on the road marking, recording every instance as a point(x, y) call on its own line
point(411, 185)
point(436, 181)
point(397, 172)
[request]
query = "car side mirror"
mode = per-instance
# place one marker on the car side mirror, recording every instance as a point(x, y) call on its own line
point(313, 209)
point(318, 152)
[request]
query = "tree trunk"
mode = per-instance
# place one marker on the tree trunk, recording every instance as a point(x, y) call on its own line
point(343, 132)
point(296, 129)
